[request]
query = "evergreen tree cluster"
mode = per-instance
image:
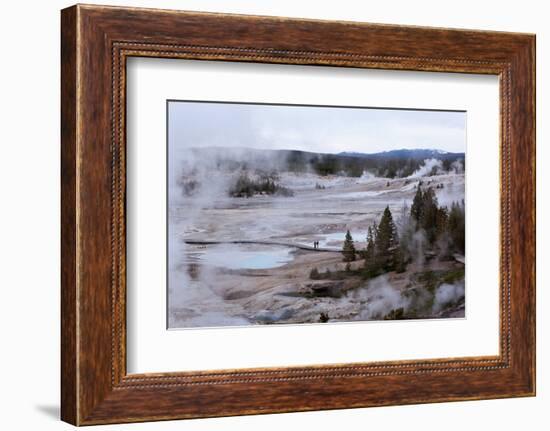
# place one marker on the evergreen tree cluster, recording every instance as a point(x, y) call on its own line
point(444, 228)
point(426, 227)
point(382, 253)
point(247, 187)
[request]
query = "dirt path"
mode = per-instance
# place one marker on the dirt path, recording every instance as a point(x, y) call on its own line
point(281, 243)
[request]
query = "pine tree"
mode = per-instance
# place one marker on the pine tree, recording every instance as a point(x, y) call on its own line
point(416, 208)
point(348, 249)
point(369, 253)
point(371, 240)
point(426, 213)
point(387, 240)
point(429, 213)
point(406, 226)
point(386, 237)
point(456, 226)
point(441, 221)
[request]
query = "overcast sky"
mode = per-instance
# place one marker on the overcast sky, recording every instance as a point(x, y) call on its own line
point(318, 129)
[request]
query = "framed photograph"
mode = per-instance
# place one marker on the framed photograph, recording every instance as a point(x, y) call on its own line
point(264, 214)
point(277, 215)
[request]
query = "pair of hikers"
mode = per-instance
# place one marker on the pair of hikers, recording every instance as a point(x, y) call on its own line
point(315, 244)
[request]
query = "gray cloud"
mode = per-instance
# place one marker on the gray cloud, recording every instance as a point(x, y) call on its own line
point(321, 129)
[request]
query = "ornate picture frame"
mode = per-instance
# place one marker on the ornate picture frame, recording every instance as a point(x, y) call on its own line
point(96, 42)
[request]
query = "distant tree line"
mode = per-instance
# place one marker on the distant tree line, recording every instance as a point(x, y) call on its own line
point(390, 164)
point(391, 167)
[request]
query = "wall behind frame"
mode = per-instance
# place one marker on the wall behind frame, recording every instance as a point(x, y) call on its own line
point(29, 216)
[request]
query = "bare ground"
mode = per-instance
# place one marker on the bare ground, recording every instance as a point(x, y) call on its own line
point(213, 294)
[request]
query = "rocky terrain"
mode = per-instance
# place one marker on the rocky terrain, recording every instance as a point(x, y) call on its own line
point(249, 260)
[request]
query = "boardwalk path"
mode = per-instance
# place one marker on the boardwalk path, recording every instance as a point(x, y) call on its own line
point(284, 244)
